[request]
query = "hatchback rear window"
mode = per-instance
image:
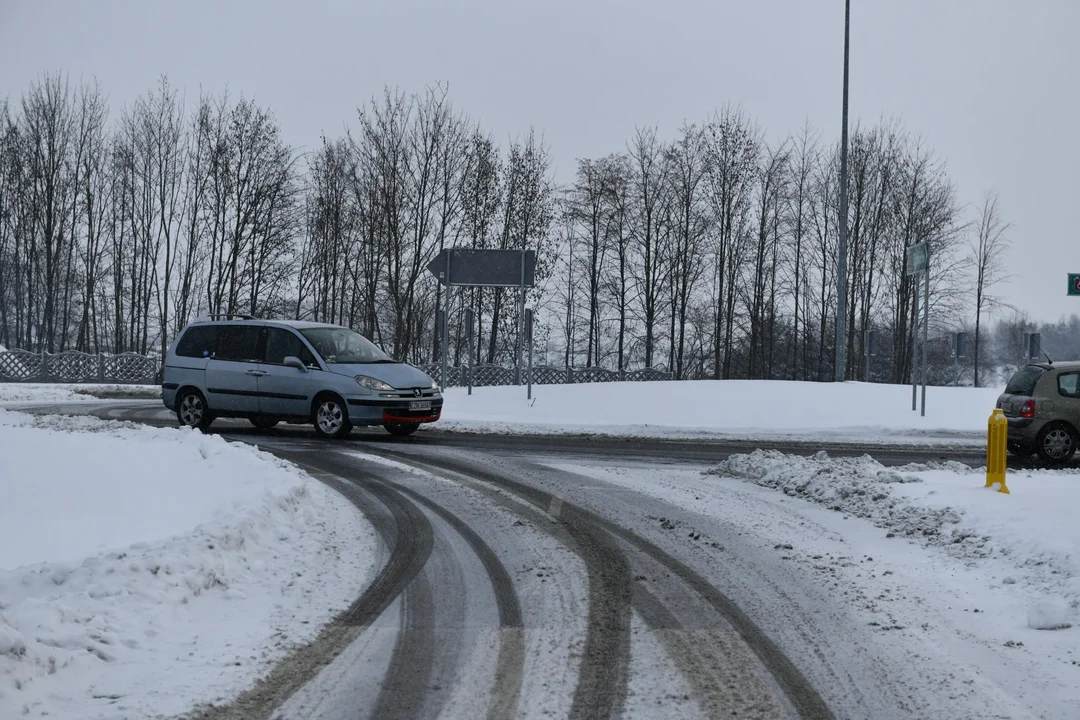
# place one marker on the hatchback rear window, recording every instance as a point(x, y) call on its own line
point(1023, 382)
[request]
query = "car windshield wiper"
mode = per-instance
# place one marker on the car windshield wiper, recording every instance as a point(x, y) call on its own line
point(386, 361)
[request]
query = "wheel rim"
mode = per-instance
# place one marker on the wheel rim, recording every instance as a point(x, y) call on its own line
point(191, 410)
point(1057, 443)
point(329, 417)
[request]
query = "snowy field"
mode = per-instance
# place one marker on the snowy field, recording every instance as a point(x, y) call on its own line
point(144, 570)
point(849, 412)
point(981, 585)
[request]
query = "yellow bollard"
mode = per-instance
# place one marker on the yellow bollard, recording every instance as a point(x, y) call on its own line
point(997, 439)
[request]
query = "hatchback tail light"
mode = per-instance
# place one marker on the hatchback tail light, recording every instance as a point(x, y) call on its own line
point(1028, 411)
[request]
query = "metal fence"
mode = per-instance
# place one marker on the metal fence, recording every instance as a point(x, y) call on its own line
point(487, 375)
point(131, 368)
point(77, 367)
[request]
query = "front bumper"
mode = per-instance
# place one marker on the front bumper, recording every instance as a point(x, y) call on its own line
point(369, 411)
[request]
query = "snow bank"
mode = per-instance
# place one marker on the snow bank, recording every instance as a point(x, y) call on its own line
point(1033, 530)
point(145, 570)
point(744, 408)
point(19, 392)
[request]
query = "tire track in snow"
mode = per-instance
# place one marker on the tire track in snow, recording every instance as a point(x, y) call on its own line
point(605, 659)
point(409, 536)
point(803, 698)
point(511, 658)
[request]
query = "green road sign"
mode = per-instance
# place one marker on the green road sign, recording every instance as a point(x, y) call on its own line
point(1074, 283)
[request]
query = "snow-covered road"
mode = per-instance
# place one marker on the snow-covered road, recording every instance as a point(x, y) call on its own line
point(961, 598)
point(588, 577)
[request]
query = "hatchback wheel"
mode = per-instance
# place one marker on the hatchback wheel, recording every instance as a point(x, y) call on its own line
point(1057, 444)
point(330, 417)
point(401, 429)
point(1022, 451)
point(193, 412)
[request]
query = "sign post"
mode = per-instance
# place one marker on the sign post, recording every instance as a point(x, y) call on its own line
point(1074, 284)
point(529, 344)
point(445, 341)
point(466, 267)
point(918, 265)
point(469, 321)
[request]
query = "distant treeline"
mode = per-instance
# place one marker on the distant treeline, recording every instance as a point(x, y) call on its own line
point(711, 253)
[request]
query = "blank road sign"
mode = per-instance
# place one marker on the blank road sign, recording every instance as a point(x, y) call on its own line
point(918, 258)
point(484, 268)
point(1074, 283)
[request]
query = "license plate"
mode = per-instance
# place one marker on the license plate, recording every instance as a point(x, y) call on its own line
point(420, 405)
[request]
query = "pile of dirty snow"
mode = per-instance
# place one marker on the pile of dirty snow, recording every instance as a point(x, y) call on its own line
point(946, 505)
point(146, 570)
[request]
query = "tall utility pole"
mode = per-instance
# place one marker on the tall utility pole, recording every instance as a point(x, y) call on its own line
point(841, 263)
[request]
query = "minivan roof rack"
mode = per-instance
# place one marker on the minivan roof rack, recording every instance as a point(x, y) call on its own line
point(230, 316)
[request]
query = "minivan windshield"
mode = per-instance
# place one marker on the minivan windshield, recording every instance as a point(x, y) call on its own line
point(344, 346)
point(1023, 382)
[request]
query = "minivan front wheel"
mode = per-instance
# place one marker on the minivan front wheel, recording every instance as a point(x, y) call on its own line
point(330, 417)
point(192, 411)
point(1056, 443)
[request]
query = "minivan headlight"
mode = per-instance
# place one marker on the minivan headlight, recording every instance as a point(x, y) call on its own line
point(371, 383)
point(435, 386)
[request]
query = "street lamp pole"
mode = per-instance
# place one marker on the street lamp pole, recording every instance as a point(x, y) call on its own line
point(841, 264)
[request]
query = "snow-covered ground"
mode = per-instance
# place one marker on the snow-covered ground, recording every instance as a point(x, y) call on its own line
point(13, 393)
point(145, 570)
point(848, 412)
point(983, 585)
point(750, 409)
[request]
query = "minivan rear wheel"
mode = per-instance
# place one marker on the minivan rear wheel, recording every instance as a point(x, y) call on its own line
point(1056, 443)
point(330, 417)
point(192, 410)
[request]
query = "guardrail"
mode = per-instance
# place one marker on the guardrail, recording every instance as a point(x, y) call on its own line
point(73, 366)
point(488, 375)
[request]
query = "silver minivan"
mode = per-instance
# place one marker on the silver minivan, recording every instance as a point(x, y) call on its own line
point(272, 371)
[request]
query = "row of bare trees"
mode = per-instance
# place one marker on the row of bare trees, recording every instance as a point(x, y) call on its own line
point(720, 247)
point(113, 235)
point(712, 254)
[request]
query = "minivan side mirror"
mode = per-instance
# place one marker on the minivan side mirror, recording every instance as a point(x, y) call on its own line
point(294, 362)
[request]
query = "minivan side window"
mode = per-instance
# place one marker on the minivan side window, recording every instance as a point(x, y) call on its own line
point(281, 344)
point(238, 342)
point(1069, 385)
point(198, 342)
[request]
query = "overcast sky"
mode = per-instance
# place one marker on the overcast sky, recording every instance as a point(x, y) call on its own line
point(992, 85)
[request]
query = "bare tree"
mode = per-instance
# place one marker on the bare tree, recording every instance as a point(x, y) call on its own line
point(687, 165)
point(799, 209)
point(989, 248)
point(648, 214)
point(732, 145)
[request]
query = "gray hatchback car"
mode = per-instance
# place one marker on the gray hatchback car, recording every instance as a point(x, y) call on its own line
point(1042, 404)
point(270, 371)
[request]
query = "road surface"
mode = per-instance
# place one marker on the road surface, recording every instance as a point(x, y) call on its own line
point(511, 586)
